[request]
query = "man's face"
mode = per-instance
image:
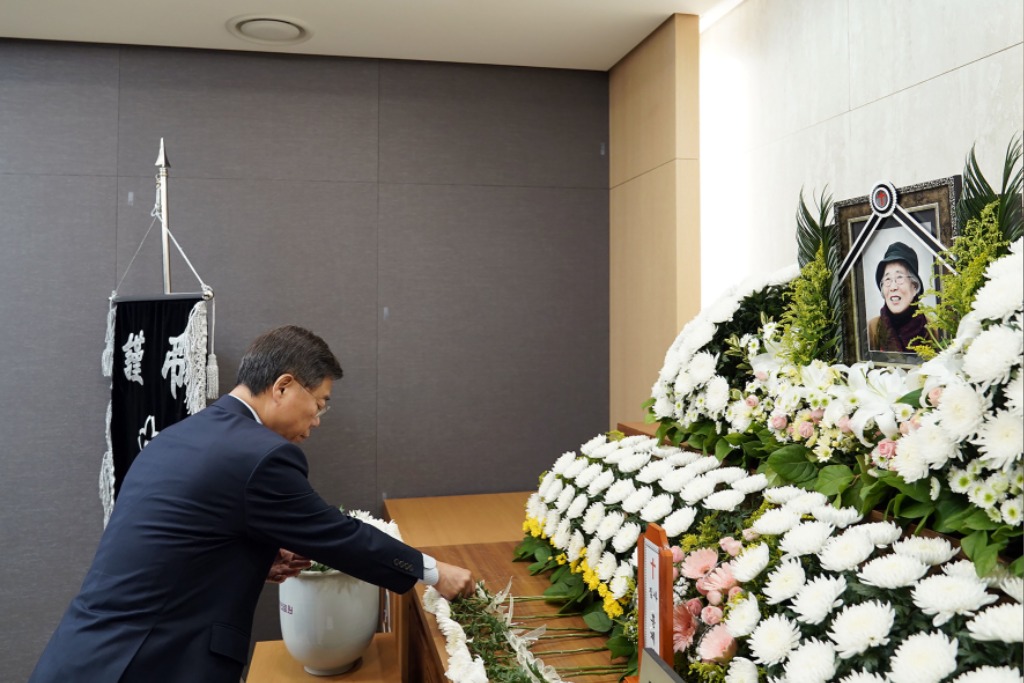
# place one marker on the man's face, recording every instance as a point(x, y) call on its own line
point(298, 409)
point(897, 288)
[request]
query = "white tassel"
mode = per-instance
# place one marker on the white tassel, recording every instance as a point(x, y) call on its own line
point(107, 359)
point(107, 473)
point(195, 355)
point(212, 377)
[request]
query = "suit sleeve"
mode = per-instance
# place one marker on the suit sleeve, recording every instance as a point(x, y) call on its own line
point(283, 509)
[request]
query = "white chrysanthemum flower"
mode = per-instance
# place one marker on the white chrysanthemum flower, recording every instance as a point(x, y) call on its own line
point(999, 298)
point(619, 491)
point(931, 551)
point(562, 535)
point(750, 563)
point(860, 627)
point(845, 552)
point(674, 481)
point(654, 471)
point(702, 367)
point(923, 658)
point(725, 475)
point(990, 674)
point(431, 599)
point(785, 582)
point(717, 394)
point(606, 567)
point(818, 598)
point(961, 411)
point(881, 534)
point(551, 522)
point(1012, 510)
point(679, 522)
point(678, 457)
point(587, 475)
point(704, 464)
point(743, 617)
point(565, 498)
point(563, 462)
point(657, 508)
point(535, 506)
point(838, 517)
point(1014, 393)
point(638, 499)
point(741, 670)
point(626, 537)
point(553, 491)
point(1014, 587)
point(1003, 623)
point(618, 586)
point(751, 484)
point(812, 661)
point(1001, 440)
point(588, 447)
point(621, 453)
point(943, 596)
point(804, 503)
point(773, 640)
point(993, 354)
point(610, 525)
point(807, 538)
point(592, 518)
point(579, 504)
point(575, 467)
point(967, 570)
point(600, 483)
point(594, 551)
point(696, 490)
point(602, 451)
point(892, 571)
point(863, 677)
point(546, 481)
point(927, 447)
point(726, 500)
point(634, 462)
point(780, 495)
point(776, 522)
point(576, 545)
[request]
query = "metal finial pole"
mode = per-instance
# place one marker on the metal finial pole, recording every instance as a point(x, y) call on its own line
point(161, 182)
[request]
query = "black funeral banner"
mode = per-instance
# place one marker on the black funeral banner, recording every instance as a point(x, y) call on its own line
point(158, 373)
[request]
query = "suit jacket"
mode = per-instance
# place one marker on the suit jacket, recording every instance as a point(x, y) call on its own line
point(200, 516)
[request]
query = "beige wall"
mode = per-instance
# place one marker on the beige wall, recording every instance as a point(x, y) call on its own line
point(654, 208)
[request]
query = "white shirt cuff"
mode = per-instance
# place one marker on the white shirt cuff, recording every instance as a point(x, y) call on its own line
point(430, 573)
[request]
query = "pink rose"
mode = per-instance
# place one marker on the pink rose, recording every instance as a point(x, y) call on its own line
point(694, 605)
point(817, 414)
point(887, 448)
point(731, 546)
point(717, 645)
point(761, 375)
point(715, 597)
point(734, 591)
point(904, 428)
point(935, 396)
point(677, 554)
point(779, 422)
point(752, 401)
point(750, 535)
point(684, 625)
point(711, 615)
point(806, 430)
point(699, 562)
point(844, 424)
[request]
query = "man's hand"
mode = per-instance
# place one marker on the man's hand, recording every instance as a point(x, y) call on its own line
point(454, 582)
point(286, 564)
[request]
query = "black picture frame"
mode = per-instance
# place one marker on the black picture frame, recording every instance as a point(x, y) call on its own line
point(932, 206)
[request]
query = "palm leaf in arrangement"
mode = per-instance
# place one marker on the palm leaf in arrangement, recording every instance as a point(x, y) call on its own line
point(978, 193)
point(814, 230)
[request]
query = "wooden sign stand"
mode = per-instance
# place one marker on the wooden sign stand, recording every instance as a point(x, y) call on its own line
point(654, 583)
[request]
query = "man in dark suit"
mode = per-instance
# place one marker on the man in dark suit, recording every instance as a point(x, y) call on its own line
point(200, 524)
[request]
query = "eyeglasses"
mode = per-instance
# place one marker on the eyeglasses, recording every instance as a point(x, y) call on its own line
point(899, 281)
point(320, 411)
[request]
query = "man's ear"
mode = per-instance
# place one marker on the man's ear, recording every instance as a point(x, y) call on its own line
point(280, 384)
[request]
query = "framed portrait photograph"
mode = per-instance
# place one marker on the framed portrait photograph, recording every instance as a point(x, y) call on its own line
point(891, 245)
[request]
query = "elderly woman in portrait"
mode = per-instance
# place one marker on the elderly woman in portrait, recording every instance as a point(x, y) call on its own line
point(899, 321)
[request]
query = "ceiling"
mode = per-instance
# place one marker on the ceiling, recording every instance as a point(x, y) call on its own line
point(570, 34)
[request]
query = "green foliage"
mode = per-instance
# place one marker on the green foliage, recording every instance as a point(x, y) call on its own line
point(977, 193)
point(980, 243)
point(810, 326)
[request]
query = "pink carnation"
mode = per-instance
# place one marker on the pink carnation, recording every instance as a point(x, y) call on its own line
point(806, 430)
point(779, 422)
point(699, 562)
point(817, 414)
point(711, 615)
point(677, 554)
point(887, 448)
point(731, 546)
point(684, 625)
point(752, 401)
point(717, 645)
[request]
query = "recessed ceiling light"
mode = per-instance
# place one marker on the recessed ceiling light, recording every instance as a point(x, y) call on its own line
point(268, 30)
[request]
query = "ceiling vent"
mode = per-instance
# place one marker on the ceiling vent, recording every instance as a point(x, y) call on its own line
point(268, 30)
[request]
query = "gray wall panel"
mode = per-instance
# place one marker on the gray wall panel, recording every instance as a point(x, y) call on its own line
point(491, 258)
point(249, 115)
point(494, 349)
point(58, 108)
point(56, 241)
point(472, 124)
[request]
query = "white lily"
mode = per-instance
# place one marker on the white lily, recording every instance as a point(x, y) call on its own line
point(876, 390)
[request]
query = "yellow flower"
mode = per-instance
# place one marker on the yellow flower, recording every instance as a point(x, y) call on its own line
point(561, 559)
point(612, 607)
